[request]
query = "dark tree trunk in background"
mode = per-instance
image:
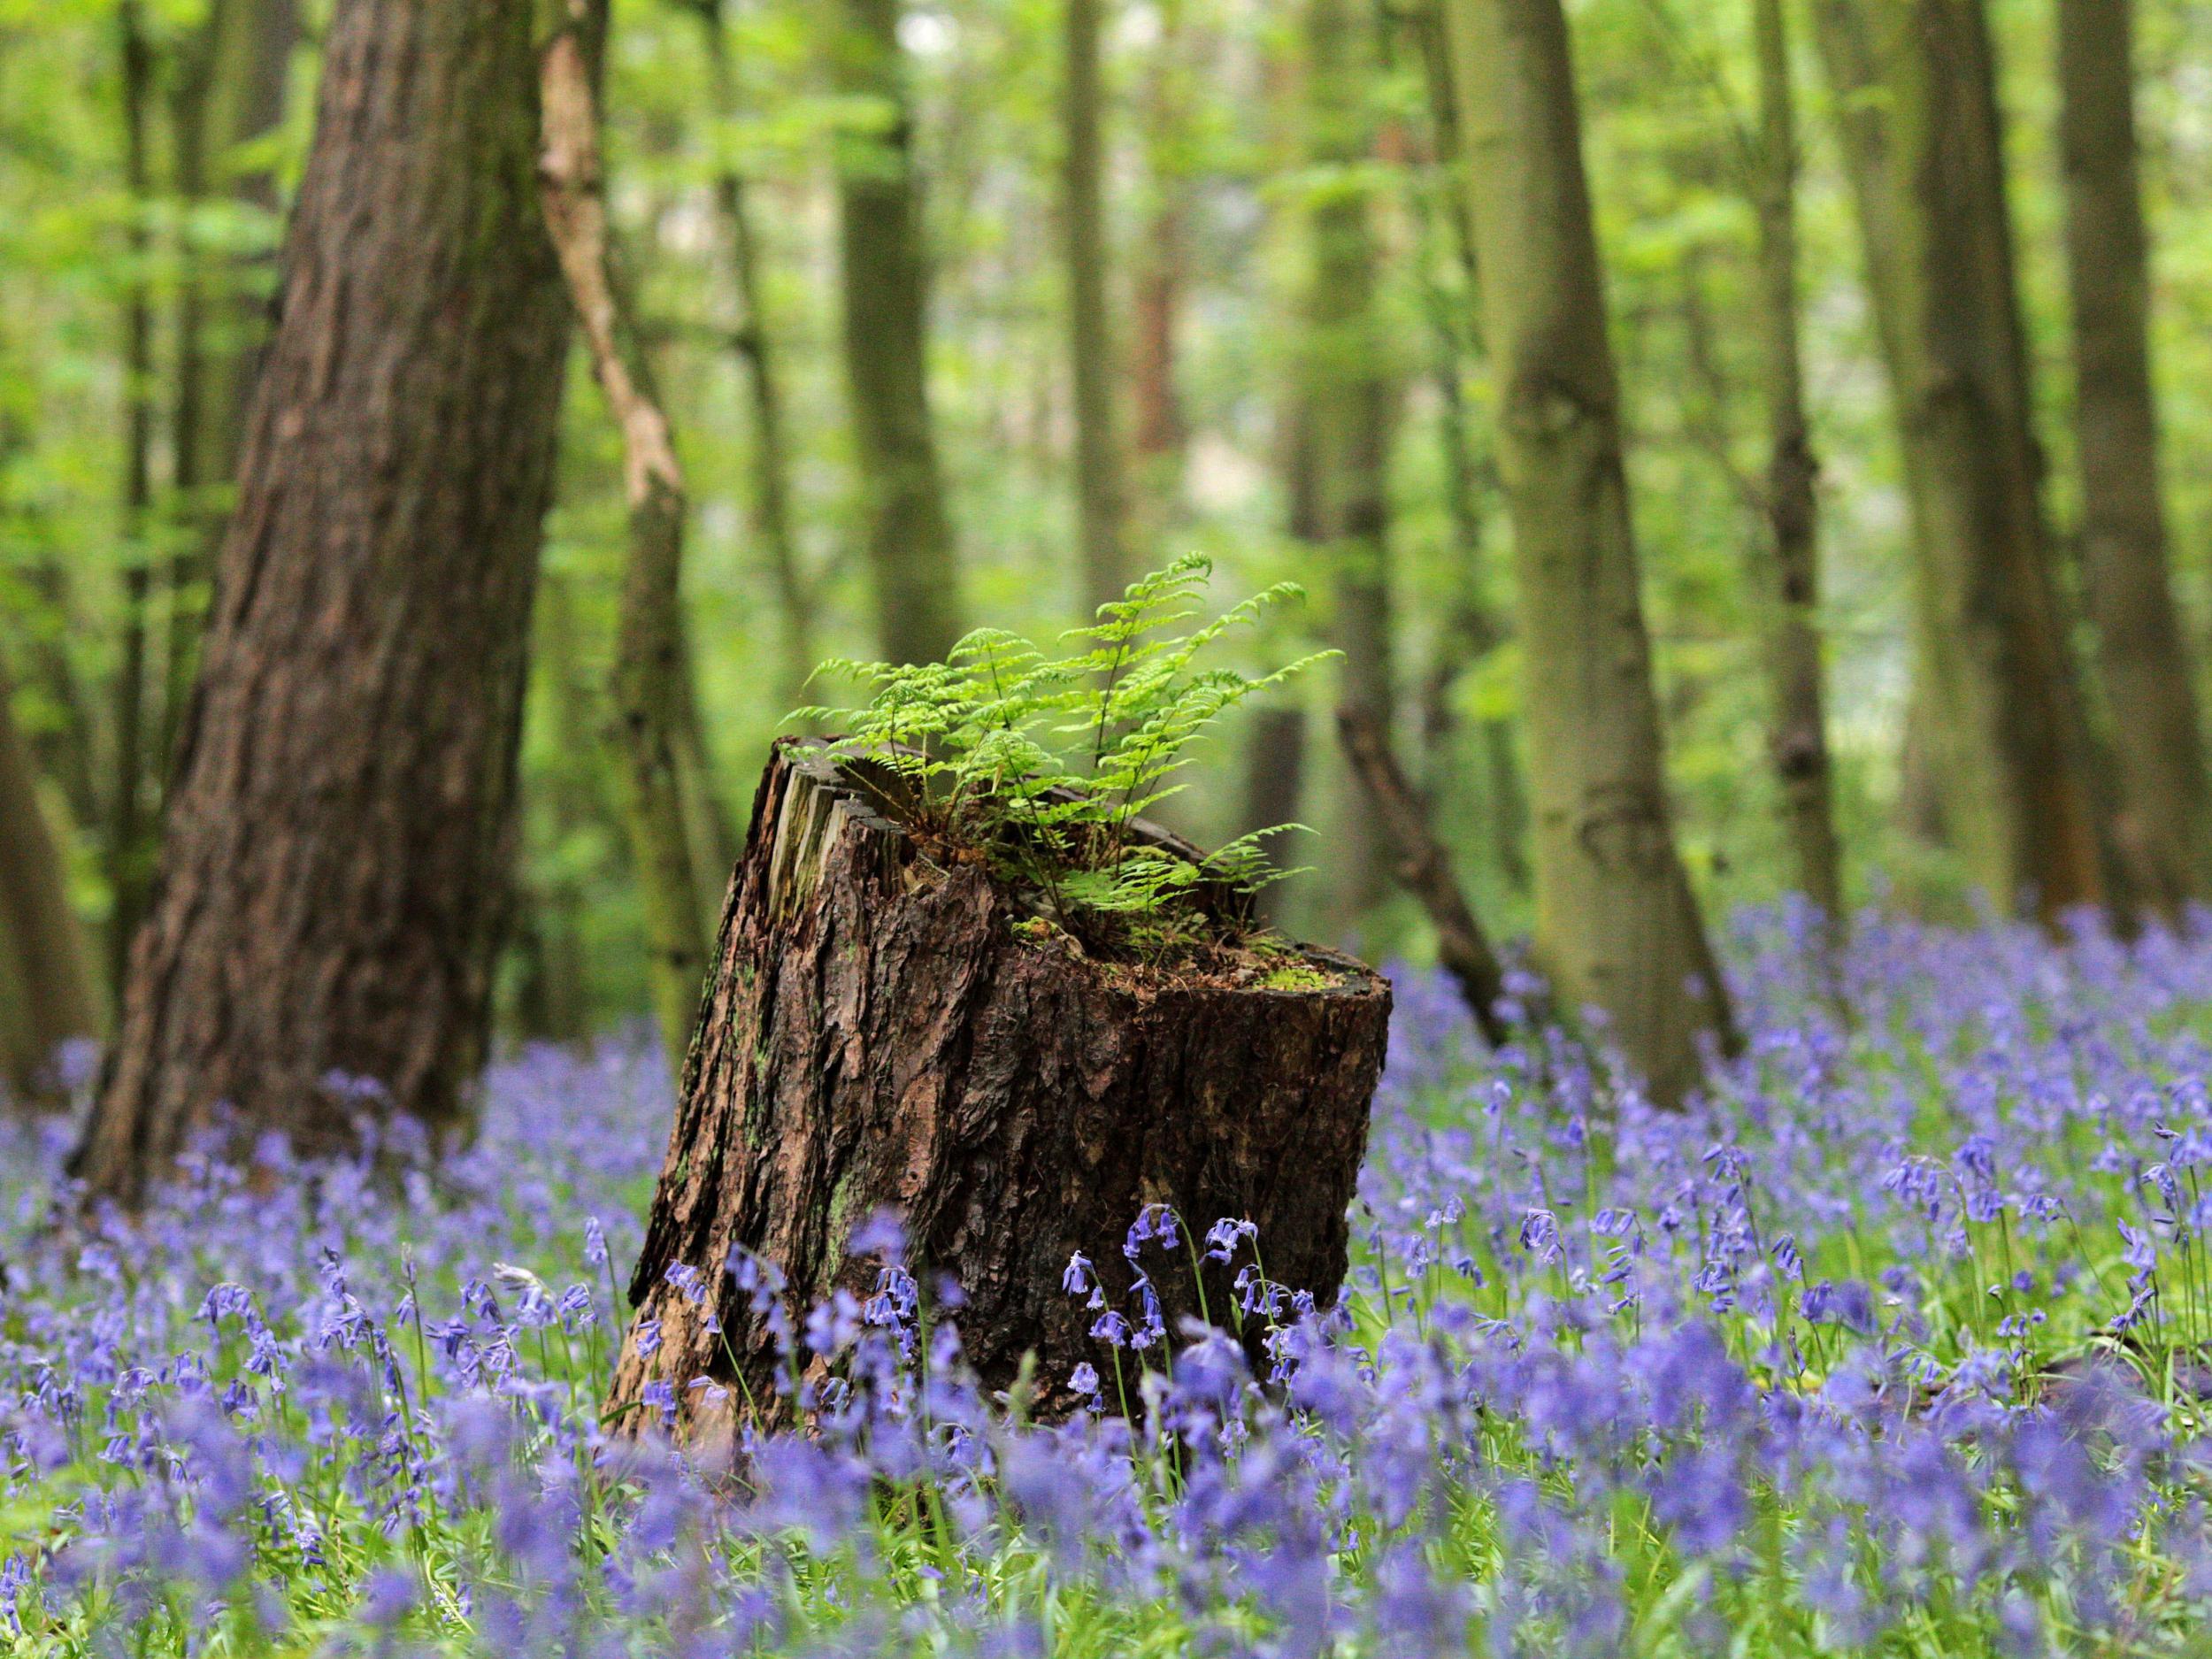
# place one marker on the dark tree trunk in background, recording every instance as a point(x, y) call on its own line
point(876, 1035)
point(1348, 396)
point(231, 92)
point(1799, 732)
point(342, 822)
point(1617, 925)
point(126, 849)
point(2166, 831)
point(46, 987)
point(1099, 491)
point(757, 343)
point(886, 347)
point(1915, 83)
point(1163, 270)
point(652, 661)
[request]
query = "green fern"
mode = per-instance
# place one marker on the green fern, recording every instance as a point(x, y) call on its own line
point(1046, 763)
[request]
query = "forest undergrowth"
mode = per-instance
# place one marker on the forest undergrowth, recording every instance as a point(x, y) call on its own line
point(1897, 1346)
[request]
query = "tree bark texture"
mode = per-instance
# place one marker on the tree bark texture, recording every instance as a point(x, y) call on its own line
point(1100, 496)
point(342, 821)
point(1800, 731)
point(1347, 395)
point(1617, 927)
point(877, 1035)
point(651, 662)
point(1916, 85)
point(886, 347)
point(45, 969)
point(2165, 833)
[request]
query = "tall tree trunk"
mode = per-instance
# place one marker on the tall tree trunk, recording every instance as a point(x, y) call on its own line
point(1799, 740)
point(755, 342)
point(1163, 265)
point(45, 971)
point(1471, 632)
point(1617, 927)
point(1098, 462)
point(342, 820)
point(651, 662)
point(2166, 834)
point(127, 848)
point(887, 346)
point(1916, 84)
point(1347, 395)
point(230, 93)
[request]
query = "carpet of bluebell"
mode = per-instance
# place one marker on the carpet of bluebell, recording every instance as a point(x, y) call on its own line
point(1898, 1344)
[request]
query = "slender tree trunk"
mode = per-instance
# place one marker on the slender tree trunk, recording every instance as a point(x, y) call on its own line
point(755, 342)
point(2166, 834)
point(1471, 632)
point(1914, 83)
point(126, 849)
point(1161, 273)
point(1347, 397)
point(45, 970)
point(651, 662)
point(342, 820)
point(1800, 741)
point(1617, 927)
point(1098, 461)
point(886, 347)
point(231, 92)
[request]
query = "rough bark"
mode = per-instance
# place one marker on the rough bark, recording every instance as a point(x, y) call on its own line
point(1425, 869)
point(1915, 88)
point(1348, 396)
point(755, 342)
point(876, 1035)
point(1799, 742)
point(1617, 927)
point(886, 347)
point(1099, 491)
point(651, 662)
point(45, 969)
point(2165, 834)
point(342, 820)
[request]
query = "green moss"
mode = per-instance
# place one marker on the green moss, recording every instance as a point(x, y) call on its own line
point(1297, 977)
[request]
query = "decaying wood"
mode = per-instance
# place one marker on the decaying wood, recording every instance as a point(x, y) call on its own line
point(1426, 873)
point(878, 1034)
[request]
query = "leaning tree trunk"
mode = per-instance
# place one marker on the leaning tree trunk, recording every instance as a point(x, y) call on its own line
point(877, 1034)
point(344, 815)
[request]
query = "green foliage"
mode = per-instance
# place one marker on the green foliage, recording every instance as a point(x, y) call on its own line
point(1046, 764)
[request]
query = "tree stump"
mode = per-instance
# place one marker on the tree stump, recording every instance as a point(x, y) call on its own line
point(875, 1033)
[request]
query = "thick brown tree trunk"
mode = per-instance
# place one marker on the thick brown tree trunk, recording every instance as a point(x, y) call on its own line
point(878, 1035)
point(342, 820)
point(1163, 269)
point(2166, 831)
point(1617, 925)
point(886, 284)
